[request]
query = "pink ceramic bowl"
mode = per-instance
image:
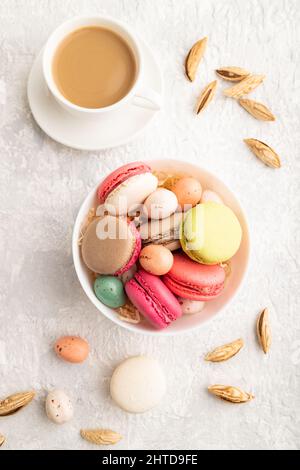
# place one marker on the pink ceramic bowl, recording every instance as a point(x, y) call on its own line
point(239, 262)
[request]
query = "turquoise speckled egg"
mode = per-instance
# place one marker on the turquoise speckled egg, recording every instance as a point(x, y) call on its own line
point(109, 290)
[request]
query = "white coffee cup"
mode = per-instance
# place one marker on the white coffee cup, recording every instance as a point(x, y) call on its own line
point(138, 95)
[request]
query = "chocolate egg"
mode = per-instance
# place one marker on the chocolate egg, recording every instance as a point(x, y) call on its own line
point(127, 275)
point(156, 259)
point(109, 290)
point(160, 204)
point(210, 196)
point(190, 307)
point(59, 407)
point(72, 348)
point(188, 191)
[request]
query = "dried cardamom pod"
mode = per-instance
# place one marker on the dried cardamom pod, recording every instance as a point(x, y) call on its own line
point(100, 436)
point(129, 313)
point(232, 74)
point(225, 352)
point(264, 330)
point(264, 153)
point(194, 57)
point(244, 87)
point(206, 96)
point(257, 110)
point(14, 403)
point(229, 393)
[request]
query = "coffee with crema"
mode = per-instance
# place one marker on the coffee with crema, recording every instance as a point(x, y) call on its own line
point(94, 67)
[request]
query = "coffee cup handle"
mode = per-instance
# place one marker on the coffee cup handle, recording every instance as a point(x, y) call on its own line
point(147, 98)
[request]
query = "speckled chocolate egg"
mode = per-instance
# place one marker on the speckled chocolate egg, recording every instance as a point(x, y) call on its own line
point(156, 259)
point(110, 291)
point(210, 196)
point(160, 204)
point(190, 307)
point(72, 348)
point(59, 407)
point(127, 275)
point(188, 191)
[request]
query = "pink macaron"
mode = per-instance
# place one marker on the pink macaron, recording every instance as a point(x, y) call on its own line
point(126, 188)
point(192, 280)
point(119, 176)
point(153, 299)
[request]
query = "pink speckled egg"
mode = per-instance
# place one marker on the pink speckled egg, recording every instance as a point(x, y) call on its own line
point(211, 196)
point(156, 259)
point(188, 191)
point(72, 349)
point(190, 307)
point(160, 204)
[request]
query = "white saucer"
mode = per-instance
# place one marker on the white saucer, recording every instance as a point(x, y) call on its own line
point(110, 130)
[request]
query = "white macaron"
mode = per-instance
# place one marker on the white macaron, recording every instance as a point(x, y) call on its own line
point(138, 384)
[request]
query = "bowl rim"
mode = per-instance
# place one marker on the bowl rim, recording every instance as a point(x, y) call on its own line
point(130, 326)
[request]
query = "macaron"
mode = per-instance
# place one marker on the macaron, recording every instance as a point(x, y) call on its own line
point(160, 204)
point(110, 245)
point(153, 299)
point(156, 259)
point(164, 232)
point(138, 384)
point(109, 290)
point(190, 307)
point(210, 233)
point(211, 196)
point(188, 191)
point(195, 281)
point(126, 188)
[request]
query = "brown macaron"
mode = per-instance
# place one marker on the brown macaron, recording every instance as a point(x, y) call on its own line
point(110, 245)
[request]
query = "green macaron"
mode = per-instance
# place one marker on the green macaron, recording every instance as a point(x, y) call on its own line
point(109, 290)
point(210, 233)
